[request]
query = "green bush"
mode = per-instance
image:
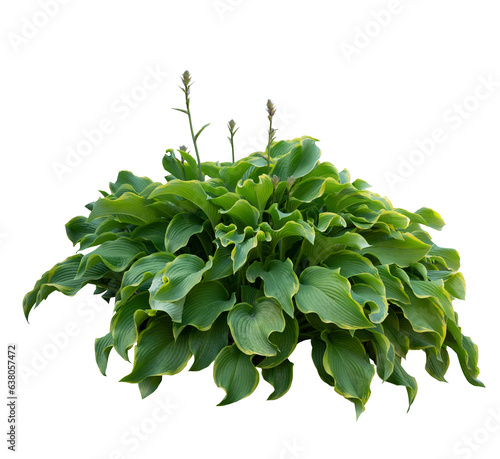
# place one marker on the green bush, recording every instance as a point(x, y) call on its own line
point(235, 263)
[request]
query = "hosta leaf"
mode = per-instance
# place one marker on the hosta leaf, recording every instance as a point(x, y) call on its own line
point(351, 263)
point(77, 228)
point(466, 351)
point(299, 228)
point(61, 278)
point(123, 325)
point(346, 361)
point(243, 213)
point(172, 308)
point(192, 191)
point(157, 353)
point(103, 347)
point(400, 377)
point(257, 194)
point(299, 161)
point(149, 385)
point(425, 316)
point(393, 286)
point(280, 281)
point(317, 354)
point(285, 342)
point(251, 326)
point(116, 255)
point(402, 252)
point(432, 218)
point(222, 264)
point(180, 276)
point(324, 246)
point(383, 349)
point(283, 147)
point(325, 292)
point(280, 218)
point(235, 373)
point(231, 175)
point(204, 303)
point(455, 285)
point(450, 257)
point(180, 229)
point(399, 340)
point(280, 377)
point(154, 232)
point(241, 250)
point(206, 345)
point(434, 290)
point(140, 272)
point(364, 294)
point(128, 208)
point(329, 219)
point(435, 367)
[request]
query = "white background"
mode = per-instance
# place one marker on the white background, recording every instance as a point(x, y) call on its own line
point(368, 98)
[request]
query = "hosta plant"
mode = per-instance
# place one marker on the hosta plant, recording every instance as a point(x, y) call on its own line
point(235, 263)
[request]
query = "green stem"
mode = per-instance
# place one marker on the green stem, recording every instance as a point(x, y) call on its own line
point(192, 135)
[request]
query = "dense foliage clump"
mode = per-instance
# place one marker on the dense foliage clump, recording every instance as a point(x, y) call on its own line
point(235, 263)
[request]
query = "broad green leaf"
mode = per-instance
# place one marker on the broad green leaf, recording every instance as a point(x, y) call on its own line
point(323, 246)
point(455, 285)
point(231, 175)
point(128, 208)
point(285, 342)
point(466, 351)
point(192, 191)
point(393, 286)
point(154, 232)
point(149, 385)
point(279, 218)
point(180, 276)
point(280, 377)
point(299, 161)
point(317, 354)
point(366, 295)
point(450, 257)
point(123, 325)
point(329, 219)
point(402, 252)
point(346, 361)
point(157, 352)
point(235, 373)
point(432, 218)
point(400, 377)
point(180, 229)
point(436, 291)
point(222, 264)
point(206, 345)
point(204, 303)
point(435, 367)
point(424, 316)
point(127, 179)
point(257, 194)
point(299, 228)
point(103, 347)
point(62, 278)
point(351, 263)
point(77, 228)
point(280, 281)
point(243, 213)
point(251, 326)
point(116, 255)
point(325, 292)
point(140, 272)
